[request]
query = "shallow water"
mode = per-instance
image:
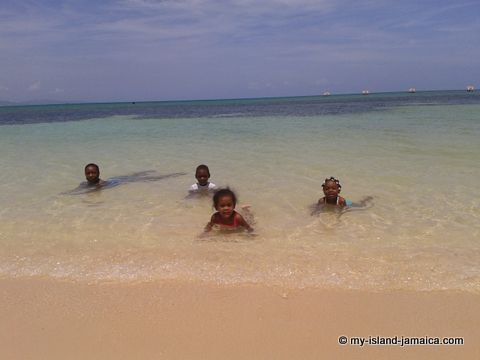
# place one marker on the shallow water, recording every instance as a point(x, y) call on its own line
point(417, 158)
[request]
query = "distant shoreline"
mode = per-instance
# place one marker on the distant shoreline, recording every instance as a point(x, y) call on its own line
point(4, 103)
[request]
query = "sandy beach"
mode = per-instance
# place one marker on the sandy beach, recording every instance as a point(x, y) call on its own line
point(51, 319)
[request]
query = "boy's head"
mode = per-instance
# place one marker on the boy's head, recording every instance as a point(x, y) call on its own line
point(202, 174)
point(221, 193)
point(92, 173)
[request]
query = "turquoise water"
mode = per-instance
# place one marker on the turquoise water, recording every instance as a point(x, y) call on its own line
point(418, 161)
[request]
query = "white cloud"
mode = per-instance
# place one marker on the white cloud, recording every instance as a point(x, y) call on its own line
point(34, 87)
point(57, 90)
point(176, 49)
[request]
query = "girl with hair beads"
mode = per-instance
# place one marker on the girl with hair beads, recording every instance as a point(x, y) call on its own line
point(331, 189)
point(226, 217)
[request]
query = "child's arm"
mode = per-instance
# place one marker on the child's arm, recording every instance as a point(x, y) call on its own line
point(80, 189)
point(100, 184)
point(241, 221)
point(210, 224)
point(97, 185)
point(208, 227)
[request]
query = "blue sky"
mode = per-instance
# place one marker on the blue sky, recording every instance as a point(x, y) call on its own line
point(146, 50)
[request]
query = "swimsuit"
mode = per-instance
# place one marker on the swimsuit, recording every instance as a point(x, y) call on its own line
point(347, 202)
point(325, 200)
point(208, 186)
point(226, 226)
point(112, 182)
point(104, 183)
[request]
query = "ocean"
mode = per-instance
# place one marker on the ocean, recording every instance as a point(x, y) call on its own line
point(415, 154)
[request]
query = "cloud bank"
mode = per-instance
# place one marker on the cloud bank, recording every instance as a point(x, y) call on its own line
point(136, 50)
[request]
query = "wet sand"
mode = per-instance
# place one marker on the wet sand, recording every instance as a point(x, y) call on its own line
point(52, 319)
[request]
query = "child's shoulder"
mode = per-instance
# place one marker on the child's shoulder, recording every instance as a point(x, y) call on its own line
point(209, 186)
point(344, 202)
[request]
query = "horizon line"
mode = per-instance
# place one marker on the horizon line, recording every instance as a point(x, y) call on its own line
point(40, 102)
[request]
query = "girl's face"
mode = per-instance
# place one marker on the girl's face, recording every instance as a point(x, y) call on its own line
point(225, 206)
point(331, 190)
point(92, 175)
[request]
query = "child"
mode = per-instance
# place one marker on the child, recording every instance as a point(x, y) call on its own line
point(92, 175)
point(93, 183)
point(224, 202)
point(202, 174)
point(331, 189)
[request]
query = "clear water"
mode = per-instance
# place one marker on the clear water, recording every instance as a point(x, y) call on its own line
point(416, 154)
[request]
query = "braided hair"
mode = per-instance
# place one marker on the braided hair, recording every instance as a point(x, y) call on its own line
point(334, 180)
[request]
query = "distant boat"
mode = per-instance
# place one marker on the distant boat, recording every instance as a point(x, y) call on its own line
point(365, 92)
point(326, 93)
point(411, 90)
point(469, 88)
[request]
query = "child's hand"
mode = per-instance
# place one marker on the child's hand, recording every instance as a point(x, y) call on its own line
point(202, 235)
point(205, 232)
point(100, 184)
point(250, 230)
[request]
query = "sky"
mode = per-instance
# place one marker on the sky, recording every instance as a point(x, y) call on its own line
point(154, 50)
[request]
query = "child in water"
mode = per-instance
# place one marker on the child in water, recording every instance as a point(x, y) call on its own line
point(202, 174)
point(331, 189)
point(92, 175)
point(224, 202)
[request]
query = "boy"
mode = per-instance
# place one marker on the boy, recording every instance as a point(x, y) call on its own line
point(92, 175)
point(202, 174)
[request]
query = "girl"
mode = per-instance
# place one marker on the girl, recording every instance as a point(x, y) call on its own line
point(331, 189)
point(226, 217)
